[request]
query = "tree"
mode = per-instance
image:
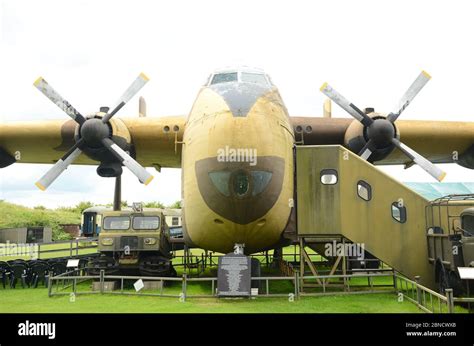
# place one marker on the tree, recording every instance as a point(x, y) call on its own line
point(81, 206)
point(175, 205)
point(155, 204)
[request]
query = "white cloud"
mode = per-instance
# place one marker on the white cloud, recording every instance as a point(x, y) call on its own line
point(91, 50)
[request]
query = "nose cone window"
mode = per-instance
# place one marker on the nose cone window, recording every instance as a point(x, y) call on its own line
point(255, 78)
point(224, 78)
point(240, 183)
point(260, 181)
point(220, 179)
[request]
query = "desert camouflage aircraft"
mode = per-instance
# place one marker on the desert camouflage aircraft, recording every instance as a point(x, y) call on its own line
point(235, 149)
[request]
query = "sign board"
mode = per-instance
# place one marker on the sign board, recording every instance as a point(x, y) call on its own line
point(137, 207)
point(72, 263)
point(138, 285)
point(466, 273)
point(234, 276)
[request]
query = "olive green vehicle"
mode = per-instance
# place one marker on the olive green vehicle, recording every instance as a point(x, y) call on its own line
point(132, 242)
point(450, 222)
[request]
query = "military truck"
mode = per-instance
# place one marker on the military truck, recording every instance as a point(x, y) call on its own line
point(450, 235)
point(134, 241)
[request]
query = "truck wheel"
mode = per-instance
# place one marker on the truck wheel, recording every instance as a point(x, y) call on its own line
point(442, 280)
point(455, 283)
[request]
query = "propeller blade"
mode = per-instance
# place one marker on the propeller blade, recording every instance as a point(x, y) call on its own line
point(48, 91)
point(140, 172)
point(428, 166)
point(367, 150)
point(137, 84)
point(59, 167)
point(349, 107)
point(410, 94)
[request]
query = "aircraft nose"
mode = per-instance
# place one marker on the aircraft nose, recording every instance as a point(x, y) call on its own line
point(240, 97)
point(237, 191)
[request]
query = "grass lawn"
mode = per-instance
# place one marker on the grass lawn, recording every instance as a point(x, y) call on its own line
point(37, 301)
point(32, 300)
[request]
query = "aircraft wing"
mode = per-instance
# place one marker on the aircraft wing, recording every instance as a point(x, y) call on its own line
point(153, 140)
point(437, 141)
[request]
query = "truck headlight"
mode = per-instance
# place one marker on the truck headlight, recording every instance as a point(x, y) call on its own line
point(107, 241)
point(150, 241)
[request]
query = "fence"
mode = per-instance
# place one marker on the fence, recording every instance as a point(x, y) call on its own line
point(66, 248)
point(423, 297)
point(72, 278)
point(417, 294)
point(323, 282)
point(60, 284)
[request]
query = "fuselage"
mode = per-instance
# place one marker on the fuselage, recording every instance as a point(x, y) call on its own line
point(237, 176)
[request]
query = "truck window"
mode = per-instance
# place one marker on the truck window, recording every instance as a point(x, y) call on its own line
point(146, 222)
point(116, 222)
point(468, 223)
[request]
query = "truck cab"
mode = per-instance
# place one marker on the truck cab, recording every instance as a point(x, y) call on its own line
point(136, 240)
point(450, 236)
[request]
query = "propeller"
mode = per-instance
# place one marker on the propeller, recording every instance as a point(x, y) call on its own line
point(381, 132)
point(94, 135)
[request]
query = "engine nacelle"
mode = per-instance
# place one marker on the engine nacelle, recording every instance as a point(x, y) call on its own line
point(355, 138)
point(119, 134)
point(109, 169)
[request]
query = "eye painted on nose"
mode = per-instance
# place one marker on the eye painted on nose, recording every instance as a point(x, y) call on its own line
point(240, 183)
point(237, 191)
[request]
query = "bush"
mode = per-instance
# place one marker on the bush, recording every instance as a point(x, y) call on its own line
point(12, 216)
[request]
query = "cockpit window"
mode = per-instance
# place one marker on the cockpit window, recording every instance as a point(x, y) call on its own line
point(224, 78)
point(256, 78)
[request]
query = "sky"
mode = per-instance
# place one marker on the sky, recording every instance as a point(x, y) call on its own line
point(90, 51)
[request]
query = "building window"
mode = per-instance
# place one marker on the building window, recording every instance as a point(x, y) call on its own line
point(34, 235)
point(175, 221)
point(364, 190)
point(399, 213)
point(328, 176)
